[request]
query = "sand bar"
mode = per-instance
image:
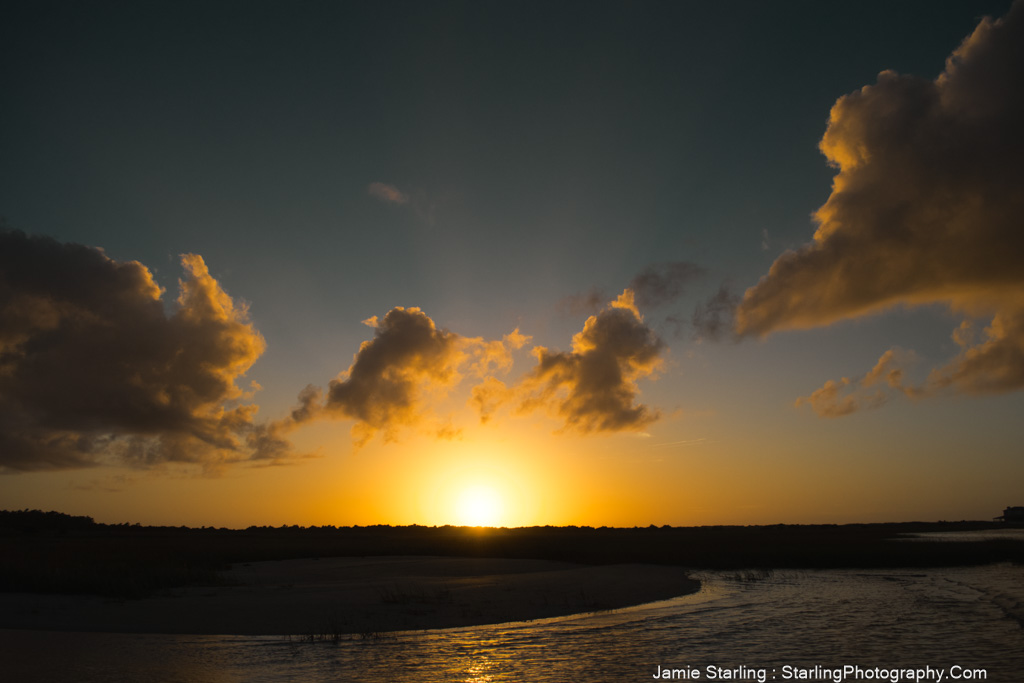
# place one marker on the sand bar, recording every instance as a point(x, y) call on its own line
point(358, 596)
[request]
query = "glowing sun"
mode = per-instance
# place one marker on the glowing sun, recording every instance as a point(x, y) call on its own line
point(478, 506)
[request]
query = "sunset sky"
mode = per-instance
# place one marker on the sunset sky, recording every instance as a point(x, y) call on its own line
point(512, 263)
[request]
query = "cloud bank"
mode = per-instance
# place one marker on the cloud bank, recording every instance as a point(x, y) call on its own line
point(927, 207)
point(94, 368)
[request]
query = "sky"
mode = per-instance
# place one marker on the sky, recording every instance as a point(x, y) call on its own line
point(512, 263)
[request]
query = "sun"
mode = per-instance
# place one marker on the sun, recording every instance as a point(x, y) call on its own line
point(478, 506)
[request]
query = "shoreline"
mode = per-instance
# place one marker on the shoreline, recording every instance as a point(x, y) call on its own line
point(326, 597)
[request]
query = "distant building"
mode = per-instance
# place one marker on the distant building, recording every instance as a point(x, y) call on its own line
point(1012, 514)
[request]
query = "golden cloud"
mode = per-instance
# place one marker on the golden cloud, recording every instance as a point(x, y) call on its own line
point(927, 207)
point(92, 367)
point(836, 399)
point(593, 387)
point(410, 364)
point(392, 376)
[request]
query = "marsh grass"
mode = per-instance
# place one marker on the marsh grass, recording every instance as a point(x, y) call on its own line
point(336, 630)
point(750, 575)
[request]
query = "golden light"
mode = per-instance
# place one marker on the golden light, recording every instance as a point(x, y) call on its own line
point(479, 506)
point(485, 478)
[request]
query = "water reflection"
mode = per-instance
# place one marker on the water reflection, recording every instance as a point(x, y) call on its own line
point(968, 617)
point(962, 536)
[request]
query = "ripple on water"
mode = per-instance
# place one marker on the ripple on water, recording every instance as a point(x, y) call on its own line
point(967, 616)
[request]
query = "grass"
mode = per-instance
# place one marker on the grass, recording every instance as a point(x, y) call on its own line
point(336, 630)
point(750, 575)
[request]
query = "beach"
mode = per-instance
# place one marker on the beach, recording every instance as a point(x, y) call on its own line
point(323, 597)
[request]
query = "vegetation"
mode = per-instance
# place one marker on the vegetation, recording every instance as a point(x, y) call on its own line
point(56, 553)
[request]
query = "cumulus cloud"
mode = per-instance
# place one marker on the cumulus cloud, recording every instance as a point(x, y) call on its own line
point(593, 387)
point(393, 376)
point(387, 193)
point(381, 390)
point(93, 368)
point(926, 207)
point(410, 365)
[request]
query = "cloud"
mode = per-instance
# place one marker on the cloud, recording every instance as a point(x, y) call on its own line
point(392, 377)
point(387, 193)
point(411, 364)
point(381, 390)
point(993, 365)
point(424, 206)
point(656, 285)
point(93, 368)
point(488, 396)
point(583, 303)
point(830, 401)
point(662, 283)
point(926, 207)
point(713, 320)
point(593, 387)
point(846, 396)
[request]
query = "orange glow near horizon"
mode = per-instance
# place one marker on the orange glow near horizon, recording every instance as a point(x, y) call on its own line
point(467, 483)
point(479, 506)
point(523, 475)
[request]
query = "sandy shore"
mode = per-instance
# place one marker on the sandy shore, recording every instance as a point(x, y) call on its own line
point(358, 595)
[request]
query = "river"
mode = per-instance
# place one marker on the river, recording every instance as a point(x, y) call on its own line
point(742, 626)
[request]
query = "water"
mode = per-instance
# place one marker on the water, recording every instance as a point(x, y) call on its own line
point(967, 617)
point(967, 536)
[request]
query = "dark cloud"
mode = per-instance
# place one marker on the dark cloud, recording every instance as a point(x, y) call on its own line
point(656, 285)
point(927, 207)
point(93, 368)
point(662, 283)
point(593, 387)
point(392, 376)
point(713, 320)
point(381, 390)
